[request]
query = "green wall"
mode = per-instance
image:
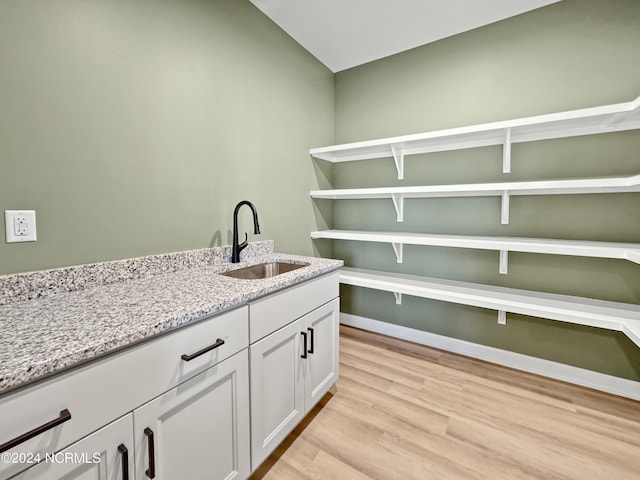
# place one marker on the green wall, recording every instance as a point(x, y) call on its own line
point(134, 127)
point(573, 54)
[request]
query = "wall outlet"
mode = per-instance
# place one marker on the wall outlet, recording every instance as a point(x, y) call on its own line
point(20, 225)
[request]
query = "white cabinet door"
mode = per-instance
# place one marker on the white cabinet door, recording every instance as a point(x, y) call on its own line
point(291, 370)
point(104, 455)
point(321, 367)
point(277, 389)
point(198, 430)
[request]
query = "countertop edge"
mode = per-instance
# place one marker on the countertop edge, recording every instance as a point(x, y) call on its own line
point(13, 381)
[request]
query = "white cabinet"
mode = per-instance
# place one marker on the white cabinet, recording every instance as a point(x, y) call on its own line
point(182, 400)
point(93, 395)
point(291, 369)
point(199, 429)
point(104, 455)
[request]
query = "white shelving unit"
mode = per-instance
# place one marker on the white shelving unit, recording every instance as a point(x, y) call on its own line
point(622, 317)
point(609, 118)
point(588, 121)
point(503, 189)
point(580, 248)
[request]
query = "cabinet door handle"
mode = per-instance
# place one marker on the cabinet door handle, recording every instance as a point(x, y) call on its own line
point(188, 358)
point(64, 416)
point(304, 348)
point(124, 452)
point(151, 471)
point(311, 335)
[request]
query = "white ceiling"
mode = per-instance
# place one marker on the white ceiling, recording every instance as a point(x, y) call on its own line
point(346, 33)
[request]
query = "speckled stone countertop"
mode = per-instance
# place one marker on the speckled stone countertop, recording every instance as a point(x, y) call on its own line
point(56, 319)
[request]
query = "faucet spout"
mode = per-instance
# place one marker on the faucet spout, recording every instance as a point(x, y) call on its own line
point(238, 247)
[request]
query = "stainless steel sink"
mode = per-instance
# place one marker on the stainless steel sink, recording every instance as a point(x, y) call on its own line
point(263, 270)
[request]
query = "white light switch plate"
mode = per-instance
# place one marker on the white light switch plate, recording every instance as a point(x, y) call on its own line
point(20, 225)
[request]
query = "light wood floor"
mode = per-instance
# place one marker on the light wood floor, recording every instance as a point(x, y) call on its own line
point(404, 411)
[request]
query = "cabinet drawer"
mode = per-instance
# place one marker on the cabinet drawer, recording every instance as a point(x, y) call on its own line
point(101, 390)
point(277, 310)
point(97, 457)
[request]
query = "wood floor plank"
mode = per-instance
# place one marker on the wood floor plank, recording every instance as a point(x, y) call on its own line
point(385, 371)
point(328, 467)
point(383, 403)
point(406, 411)
point(543, 457)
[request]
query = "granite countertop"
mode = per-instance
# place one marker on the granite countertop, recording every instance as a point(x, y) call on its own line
point(45, 335)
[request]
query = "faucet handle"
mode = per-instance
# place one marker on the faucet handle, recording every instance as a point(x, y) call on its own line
point(242, 246)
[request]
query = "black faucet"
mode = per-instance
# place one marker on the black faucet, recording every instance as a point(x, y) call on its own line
point(237, 248)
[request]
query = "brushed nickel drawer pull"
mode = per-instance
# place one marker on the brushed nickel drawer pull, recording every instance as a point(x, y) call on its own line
point(188, 358)
point(64, 416)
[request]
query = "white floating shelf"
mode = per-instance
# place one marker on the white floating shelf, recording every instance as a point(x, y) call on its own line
point(502, 189)
point(603, 119)
point(581, 248)
point(542, 187)
point(623, 317)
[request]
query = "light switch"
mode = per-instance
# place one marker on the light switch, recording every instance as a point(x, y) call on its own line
point(20, 225)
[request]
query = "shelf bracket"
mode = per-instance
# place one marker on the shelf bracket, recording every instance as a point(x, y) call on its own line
point(398, 203)
point(504, 261)
point(398, 158)
point(397, 247)
point(506, 152)
point(504, 215)
point(398, 296)
point(502, 317)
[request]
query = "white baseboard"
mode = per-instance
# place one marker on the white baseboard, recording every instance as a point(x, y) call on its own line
point(559, 371)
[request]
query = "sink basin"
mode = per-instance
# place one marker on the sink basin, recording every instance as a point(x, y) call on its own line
point(263, 270)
